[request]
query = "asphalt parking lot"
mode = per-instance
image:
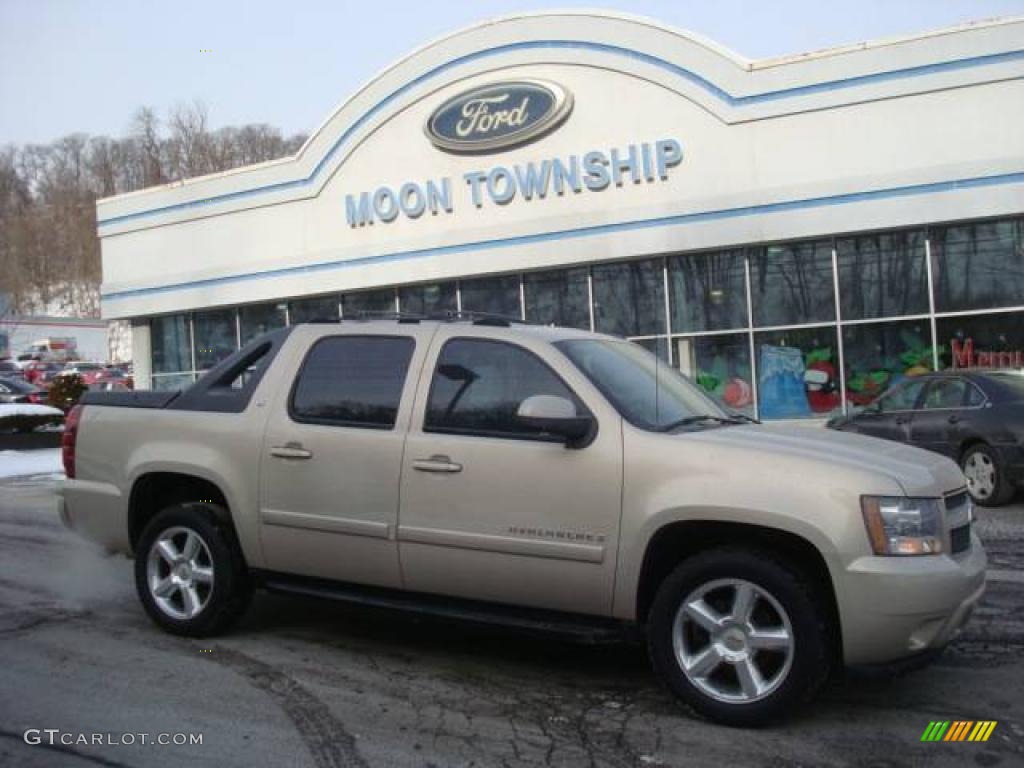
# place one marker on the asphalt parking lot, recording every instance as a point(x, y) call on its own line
point(308, 683)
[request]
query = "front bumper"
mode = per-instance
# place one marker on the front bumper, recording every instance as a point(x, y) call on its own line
point(895, 607)
point(95, 511)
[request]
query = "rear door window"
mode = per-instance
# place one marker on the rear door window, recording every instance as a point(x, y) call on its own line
point(945, 394)
point(352, 381)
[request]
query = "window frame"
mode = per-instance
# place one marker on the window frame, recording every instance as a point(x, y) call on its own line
point(324, 422)
point(582, 408)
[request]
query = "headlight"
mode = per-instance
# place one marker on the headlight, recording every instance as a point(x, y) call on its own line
point(899, 525)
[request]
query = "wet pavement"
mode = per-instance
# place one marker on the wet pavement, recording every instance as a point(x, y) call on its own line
point(308, 683)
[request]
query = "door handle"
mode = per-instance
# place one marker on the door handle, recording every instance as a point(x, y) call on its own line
point(291, 451)
point(954, 419)
point(901, 420)
point(436, 464)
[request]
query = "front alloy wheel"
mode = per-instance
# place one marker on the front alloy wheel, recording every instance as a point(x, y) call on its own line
point(740, 635)
point(733, 640)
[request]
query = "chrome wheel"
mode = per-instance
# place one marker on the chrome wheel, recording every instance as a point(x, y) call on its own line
point(733, 641)
point(179, 573)
point(981, 475)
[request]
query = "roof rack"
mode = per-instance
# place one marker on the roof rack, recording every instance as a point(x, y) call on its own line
point(450, 316)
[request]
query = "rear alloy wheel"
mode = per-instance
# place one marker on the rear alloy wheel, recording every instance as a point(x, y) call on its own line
point(739, 636)
point(985, 477)
point(189, 571)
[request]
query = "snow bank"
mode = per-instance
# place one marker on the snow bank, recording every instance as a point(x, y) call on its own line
point(28, 409)
point(19, 463)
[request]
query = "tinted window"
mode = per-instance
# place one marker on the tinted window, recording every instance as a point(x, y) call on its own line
point(255, 319)
point(975, 396)
point(433, 299)
point(946, 393)
point(353, 381)
point(708, 291)
point(478, 386)
point(882, 275)
point(494, 295)
point(368, 303)
point(559, 297)
point(902, 398)
point(323, 309)
point(171, 344)
point(215, 336)
point(629, 298)
point(978, 266)
point(792, 284)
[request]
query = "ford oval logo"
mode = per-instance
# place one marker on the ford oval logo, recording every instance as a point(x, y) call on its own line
point(499, 115)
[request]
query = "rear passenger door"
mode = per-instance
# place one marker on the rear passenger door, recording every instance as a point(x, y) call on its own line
point(332, 456)
point(493, 510)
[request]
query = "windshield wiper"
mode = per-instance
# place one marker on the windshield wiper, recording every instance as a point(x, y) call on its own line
point(696, 419)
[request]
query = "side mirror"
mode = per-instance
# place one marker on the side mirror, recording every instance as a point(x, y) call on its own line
point(557, 416)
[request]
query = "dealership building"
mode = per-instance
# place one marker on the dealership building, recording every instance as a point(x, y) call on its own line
point(794, 233)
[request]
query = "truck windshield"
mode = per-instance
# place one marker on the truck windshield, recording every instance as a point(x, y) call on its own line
point(648, 392)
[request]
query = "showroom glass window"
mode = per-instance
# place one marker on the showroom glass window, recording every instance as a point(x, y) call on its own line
point(995, 340)
point(708, 291)
point(629, 298)
point(172, 382)
point(559, 297)
point(798, 373)
point(879, 355)
point(979, 265)
point(792, 284)
point(368, 302)
point(430, 299)
point(882, 275)
point(216, 336)
point(255, 319)
point(494, 295)
point(352, 381)
point(319, 310)
point(479, 385)
point(171, 344)
point(720, 364)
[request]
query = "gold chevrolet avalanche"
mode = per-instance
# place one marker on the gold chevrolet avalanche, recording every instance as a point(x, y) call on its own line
point(540, 476)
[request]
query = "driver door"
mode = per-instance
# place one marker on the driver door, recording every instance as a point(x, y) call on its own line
point(890, 416)
point(493, 510)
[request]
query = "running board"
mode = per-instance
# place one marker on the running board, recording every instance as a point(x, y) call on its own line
point(582, 628)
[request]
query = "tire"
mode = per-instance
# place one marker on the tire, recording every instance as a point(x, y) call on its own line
point(782, 601)
point(986, 479)
point(196, 562)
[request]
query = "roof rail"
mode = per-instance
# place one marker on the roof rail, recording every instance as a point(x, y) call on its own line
point(476, 318)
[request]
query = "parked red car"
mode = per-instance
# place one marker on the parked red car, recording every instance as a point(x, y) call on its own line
point(35, 369)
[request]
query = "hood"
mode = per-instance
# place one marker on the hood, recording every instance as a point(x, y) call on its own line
point(918, 472)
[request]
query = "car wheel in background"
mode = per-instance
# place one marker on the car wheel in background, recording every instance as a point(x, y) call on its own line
point(986, 480)
point(739, 637)
point(189, 571)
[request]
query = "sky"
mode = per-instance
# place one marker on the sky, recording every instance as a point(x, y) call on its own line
point(71, 66)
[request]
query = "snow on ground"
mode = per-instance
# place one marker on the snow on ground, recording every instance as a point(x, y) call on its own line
point(20, 463)
point(28, 409)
